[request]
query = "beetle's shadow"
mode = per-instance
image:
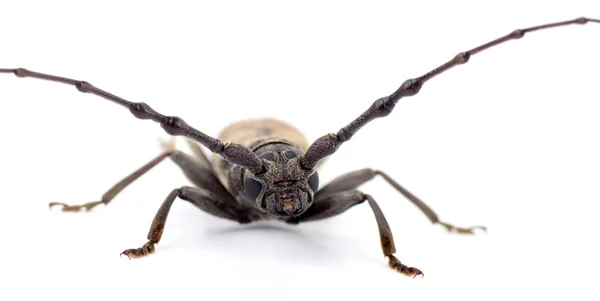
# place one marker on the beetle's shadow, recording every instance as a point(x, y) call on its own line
point(260, 226)
point(273, 239)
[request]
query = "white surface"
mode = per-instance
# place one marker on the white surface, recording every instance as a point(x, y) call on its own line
point(509, 140)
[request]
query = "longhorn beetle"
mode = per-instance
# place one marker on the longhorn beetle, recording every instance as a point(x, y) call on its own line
point(266, 170)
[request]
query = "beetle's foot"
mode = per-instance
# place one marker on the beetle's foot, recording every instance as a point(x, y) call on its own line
point(76, 208)
point(147, 248)
point(470, 230)
point(395, 264)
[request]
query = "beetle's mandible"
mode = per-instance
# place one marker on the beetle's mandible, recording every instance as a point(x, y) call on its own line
point(265, 169)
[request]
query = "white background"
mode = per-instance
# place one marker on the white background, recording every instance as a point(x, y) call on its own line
point(509, 140)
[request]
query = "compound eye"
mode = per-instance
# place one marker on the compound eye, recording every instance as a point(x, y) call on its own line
point(268, 156)
point(291, 154)
point(252, 188)
point(313, 182)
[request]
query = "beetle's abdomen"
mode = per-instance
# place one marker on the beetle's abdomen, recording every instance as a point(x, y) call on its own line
point(252, 134)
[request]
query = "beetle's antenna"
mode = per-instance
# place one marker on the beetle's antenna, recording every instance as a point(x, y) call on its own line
point(382, 107)
point(232, 152)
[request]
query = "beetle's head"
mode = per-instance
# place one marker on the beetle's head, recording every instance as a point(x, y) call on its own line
point(285, 188)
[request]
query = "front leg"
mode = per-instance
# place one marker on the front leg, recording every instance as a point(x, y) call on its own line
point(202, 198)
point(333, 204)
point(387, 241)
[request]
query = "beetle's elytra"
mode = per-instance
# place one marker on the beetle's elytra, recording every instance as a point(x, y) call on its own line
point(266, 169)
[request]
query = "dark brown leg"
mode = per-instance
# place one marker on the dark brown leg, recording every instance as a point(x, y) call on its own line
point(197, 150)
point(113, 191)
point(426, 209)
point(382, 107)
point(198, 171)
point(353, 180)
point(156, 229)
point(202, 198)
point(328, 205)
point(387, 241)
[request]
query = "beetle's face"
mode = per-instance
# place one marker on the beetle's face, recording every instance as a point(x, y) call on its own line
point(285, 189)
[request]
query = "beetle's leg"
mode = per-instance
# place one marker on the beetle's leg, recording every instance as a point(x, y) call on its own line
point(202, 198)
point(382, 107)
point(328, 205)
point(232, 152)
point(220, 202)
point(197, 150)
point(197, 171)
point(113, 191)
point(354, 179)
point(426, 209)
point(387, 241)
point(156, 229)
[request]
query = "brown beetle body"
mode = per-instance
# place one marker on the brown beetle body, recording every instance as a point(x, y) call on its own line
point(265, 169)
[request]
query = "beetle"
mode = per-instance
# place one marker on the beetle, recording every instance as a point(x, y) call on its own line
point(266, 170)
